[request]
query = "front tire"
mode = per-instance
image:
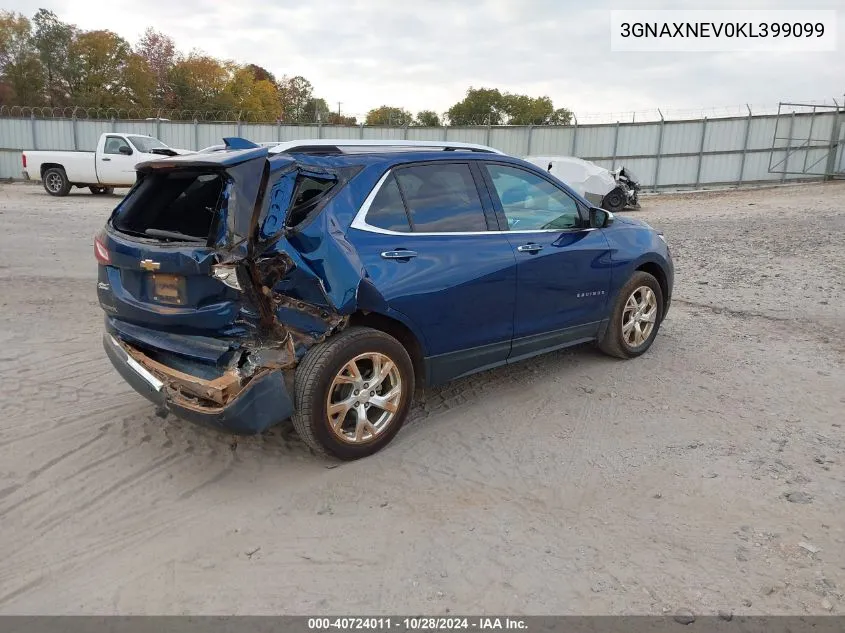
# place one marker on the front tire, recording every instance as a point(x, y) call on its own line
point(56, 182)
point(101, 191)
point(615, 200)
point(635, 318)
point(353, 393)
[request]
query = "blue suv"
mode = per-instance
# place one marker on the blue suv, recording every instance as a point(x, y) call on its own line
point(325, 282)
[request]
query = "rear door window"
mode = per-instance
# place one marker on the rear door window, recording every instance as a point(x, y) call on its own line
point(532, 203)
point(441, 197)
point(387, 210)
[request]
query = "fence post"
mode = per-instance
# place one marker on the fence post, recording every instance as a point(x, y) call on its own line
point(574, 137)
point(615, 144)
point(528, 143)
point(487, 136)
point(361, 135)
point(744, 146)
point(32, 130)
point(405, 132)
point(113, 125)
point(445, 134)
point(279, 131)
point(788, 146)
point(158, 128)
point(239, 127)
point(809, 141)
point(700, 152)
point(196, 134)
point(834, 145)
point(659, 151)
point(73, 130)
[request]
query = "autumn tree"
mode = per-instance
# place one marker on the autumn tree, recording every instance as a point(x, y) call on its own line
point(261, 74)
point(198, 82)
point(427, 118)
point(159, 52)
point(388, 115)
point(21, 72)
point(53, 38)
point(258, 98)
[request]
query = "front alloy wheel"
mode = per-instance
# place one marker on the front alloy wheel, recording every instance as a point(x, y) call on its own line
point(639, 316)
point(635, 318)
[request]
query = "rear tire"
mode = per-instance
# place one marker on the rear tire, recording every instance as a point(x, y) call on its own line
point(353, 393)
point(631, 331)
point(56, 182)
point(101, 191)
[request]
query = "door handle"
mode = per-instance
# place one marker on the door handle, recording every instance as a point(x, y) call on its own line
point(399, 254)
point(105, 159)
point(529, 248)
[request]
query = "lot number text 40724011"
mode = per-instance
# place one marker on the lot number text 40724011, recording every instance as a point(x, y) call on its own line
point(416, 623)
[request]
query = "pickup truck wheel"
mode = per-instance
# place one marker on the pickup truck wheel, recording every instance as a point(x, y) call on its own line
point(635, 319)
point(352, 393)
point(101, 191)
point(56, 182)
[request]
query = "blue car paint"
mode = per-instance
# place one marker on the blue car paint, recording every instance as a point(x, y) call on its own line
point(470, 306)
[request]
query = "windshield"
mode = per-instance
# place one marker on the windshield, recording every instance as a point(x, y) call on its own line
point(145, 144)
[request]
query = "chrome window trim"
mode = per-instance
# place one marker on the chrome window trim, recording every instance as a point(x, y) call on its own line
point(360, 220)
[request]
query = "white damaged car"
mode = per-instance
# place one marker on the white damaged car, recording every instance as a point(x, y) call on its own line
point(610, 190)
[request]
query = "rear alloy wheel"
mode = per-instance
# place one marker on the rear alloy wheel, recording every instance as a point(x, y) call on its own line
point(56, 182)
point(353, 393)
point(101, 191)
point(635, 319)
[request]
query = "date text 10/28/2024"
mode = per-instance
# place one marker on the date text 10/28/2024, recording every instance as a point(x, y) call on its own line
point(416, 624)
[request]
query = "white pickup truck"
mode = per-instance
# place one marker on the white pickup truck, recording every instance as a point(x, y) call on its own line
point(111, 165)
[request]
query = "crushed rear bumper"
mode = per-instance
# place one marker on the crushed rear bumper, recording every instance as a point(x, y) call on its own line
point(224, 404)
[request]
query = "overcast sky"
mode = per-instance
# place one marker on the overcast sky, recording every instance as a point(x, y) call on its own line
point(425, 53)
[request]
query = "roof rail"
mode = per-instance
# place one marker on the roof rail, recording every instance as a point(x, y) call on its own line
point(344, 145)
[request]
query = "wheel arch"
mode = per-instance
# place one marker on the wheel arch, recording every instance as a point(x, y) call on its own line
point(45, 166)
point(656, 270)
point(402, 332)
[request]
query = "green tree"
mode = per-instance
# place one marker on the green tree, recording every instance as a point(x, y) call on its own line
point(388, 115)
point(98, 61)
point(480, 106)
point(525, 110)
point(295, 96)
point(20, 68)
point(53, 38)
point(428, 118)
point(140, 84)
point(316, 111)
point(159, 52)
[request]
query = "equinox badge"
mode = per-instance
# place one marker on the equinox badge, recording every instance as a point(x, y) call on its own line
point(148, 264)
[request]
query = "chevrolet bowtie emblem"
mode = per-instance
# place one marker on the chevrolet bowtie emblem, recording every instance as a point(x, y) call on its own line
point(148, 264)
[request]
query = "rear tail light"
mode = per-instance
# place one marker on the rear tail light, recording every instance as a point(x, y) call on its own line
point(23, 158)
point(101, 253)
point(228, 274)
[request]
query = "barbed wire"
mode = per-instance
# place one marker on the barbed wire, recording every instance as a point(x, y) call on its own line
point(331, 118)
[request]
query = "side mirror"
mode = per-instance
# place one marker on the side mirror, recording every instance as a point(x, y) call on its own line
point(125, 150)
point(600, 218)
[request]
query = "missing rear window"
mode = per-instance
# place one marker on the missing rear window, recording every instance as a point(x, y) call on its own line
point(176, 206)
point(309, 192)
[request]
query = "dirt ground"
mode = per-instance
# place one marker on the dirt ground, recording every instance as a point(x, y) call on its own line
point(707, 475)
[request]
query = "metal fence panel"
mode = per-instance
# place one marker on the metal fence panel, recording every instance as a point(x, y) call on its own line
point(511, 140)
point(16, 134)
point(10, 163)
point(724, 136)
point(638, 140)
point(681, 137)
point(677, 153)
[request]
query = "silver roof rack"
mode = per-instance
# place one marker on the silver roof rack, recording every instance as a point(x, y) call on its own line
point(347, 146)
